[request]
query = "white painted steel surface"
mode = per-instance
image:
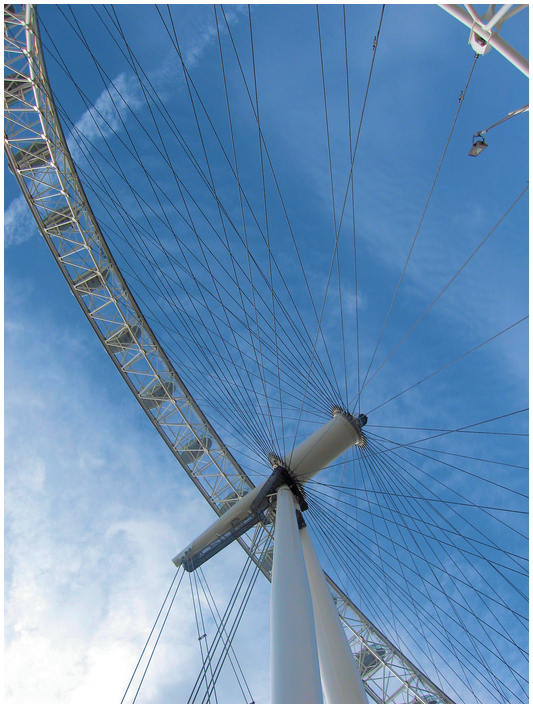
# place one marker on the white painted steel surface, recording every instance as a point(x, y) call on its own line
point(341, 680)
point(323, 447)
point(224, 523)
point(490, 37)
point(294, 668)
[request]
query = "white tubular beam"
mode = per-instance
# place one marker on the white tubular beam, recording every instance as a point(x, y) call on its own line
point(294, 668)
point(505, 49)
point(341, 680)
point(323, 447)
point(319, 450)
point(498, 16)
point(473, 13)
point(235, 513)
point(492, 38)
point(459, 13)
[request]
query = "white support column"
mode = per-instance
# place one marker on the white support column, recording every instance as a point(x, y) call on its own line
point(341, 680)
point(294, 668)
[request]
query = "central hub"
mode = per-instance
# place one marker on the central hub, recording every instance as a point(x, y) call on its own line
point(324, 446)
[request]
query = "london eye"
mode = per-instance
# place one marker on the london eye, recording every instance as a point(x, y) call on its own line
point(270, 219)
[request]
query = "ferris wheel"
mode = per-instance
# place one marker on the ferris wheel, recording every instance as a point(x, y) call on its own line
point(236, 327)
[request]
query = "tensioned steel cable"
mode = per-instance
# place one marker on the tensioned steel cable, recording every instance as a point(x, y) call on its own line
point(457, 430)
point(379, 584)
point(221, 629)
point(486, 510)
point(370, 567)
point(157, 640)
point(331, 513)
point(201, 632)
point(169, 160)
point(230, 636)
point(345, 200)
point(343, 341)
point(468, 457)
point(279, 302)
point(420, 451)
point(477, 529)
point(331, 535)
point(211, 178)
point(446, 286)
point(221, 626)
point(244, 229)
point(367, 488)
point(150, 635)
point(220, 214)
point(352, 190)
point(199, 347)
point(464, 429)
point(343, 489)
point(461, 101)
point(374, 490)
point(157, 198)
point(336, 398)
point(459, 569)
point(395, 510)
point(267, 230)
point(476, 556)
point(367, 461)
point(232, 656)
point(503, 331)
point(371, 468)
point(471, 457)
point(385, 452)
point(366, 465)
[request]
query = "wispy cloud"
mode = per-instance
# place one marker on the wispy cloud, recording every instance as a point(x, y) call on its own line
point(19, 224)
point(206, 32)
point(85, 578)
point(110, 109)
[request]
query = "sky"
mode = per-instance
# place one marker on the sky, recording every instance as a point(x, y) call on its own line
point(96, 506)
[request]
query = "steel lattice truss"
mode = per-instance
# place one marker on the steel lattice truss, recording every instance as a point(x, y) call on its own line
point(40, 160)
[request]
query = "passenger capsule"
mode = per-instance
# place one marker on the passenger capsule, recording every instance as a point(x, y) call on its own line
point(156, 394)
point(35, 155)
point(428, 698)
point(61, 219)
point(193, 450)
point(91, 280)
point(123, 337)
point(16, 86)
point(370, 658)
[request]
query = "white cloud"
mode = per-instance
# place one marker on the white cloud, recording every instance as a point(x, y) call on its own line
point(206, 32)
point(95, 509)
point(19, 224)
point(122, 96)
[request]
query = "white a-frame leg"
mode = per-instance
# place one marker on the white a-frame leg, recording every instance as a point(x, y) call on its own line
point(294, 668)
point(309, 653)
point(341, 679)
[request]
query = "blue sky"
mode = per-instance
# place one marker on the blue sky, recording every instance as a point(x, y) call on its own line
point(95, 504)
